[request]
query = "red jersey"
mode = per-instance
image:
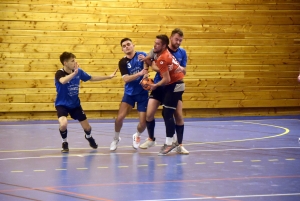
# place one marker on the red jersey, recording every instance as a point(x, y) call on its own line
point(167, 62)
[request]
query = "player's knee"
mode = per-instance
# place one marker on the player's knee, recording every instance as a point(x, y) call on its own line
point(179, 119)
point(167, 113)
point(63, 123)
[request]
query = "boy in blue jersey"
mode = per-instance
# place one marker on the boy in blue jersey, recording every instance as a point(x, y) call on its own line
point(67, 82)
point(132, 71)
point(157, 95)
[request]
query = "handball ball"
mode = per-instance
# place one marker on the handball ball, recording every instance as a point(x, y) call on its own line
point(145, 83)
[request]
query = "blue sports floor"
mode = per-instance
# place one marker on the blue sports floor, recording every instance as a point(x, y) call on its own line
point(231, 159)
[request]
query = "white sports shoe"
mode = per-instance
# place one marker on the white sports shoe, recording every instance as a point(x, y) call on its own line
point(136, 141)
point(114, 144)
point(149, 143)
point(181, 150)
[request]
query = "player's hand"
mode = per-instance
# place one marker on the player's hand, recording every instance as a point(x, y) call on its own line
point(152, 86)
point(141, 57)
point(76, 68)
point(179, 69)
point(298, 78)
point(143, 72)
point(114, 73)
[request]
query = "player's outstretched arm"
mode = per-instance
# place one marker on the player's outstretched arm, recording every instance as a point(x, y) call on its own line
point(100, 78)
point(129, 78)
point(69, 77)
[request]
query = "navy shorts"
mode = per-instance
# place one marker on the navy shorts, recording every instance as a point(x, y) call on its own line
point(76, 113)
point(158, 94)
point(140, 99)
point(173, 93)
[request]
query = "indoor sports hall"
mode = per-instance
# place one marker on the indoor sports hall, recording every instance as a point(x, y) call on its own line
point(231, 66)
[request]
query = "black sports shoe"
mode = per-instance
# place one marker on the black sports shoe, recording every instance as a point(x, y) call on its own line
point(65, 147)
point(92, 142)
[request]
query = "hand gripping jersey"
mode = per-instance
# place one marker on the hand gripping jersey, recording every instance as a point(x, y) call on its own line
point(167, 62)
point(181, 57)
point(67, 94)
point(129, 67)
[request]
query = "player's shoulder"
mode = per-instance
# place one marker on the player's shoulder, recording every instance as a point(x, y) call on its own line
point(182, 50)
point(140, 52)
point(60, 71)
point(123, 60)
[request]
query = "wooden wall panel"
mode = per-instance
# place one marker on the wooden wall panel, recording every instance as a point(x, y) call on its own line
point(243, 55)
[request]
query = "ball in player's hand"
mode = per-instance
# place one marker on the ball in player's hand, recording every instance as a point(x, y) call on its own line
point(145, 83)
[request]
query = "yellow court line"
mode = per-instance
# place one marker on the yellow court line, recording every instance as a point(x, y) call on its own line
point(289, 159)
point(162, 164)
point(123, 166)
point(255, 160)
point(81, 168)
point(102, 167)
point(201, 163)
point(219, 162)
point(248, 139)
point(60, 169)
point(196, 143)
point(39, 170)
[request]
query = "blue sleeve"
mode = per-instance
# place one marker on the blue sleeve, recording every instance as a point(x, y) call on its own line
point(83, 75)
point(184, 58)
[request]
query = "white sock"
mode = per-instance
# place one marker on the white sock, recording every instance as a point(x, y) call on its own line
point(138, 134)
point(88, 136)
point(65, 140)
point(117, 135)
point(169, 140)
point(175, 138)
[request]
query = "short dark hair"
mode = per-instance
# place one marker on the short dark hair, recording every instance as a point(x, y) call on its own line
point(177, 31)
point(125, 39)
point(66, 56)
point(164, 39)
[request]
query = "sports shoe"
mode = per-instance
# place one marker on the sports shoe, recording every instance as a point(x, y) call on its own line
point(149, 143)
point(175, 144)
point(114, 143)
point(92, 142)
point(65, 147)
point(136, 141)
point(166, 149)
point(181, 150)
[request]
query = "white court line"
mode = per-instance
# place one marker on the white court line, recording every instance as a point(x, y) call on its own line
point(224, 197)
point(131, 153)
point(192, 121)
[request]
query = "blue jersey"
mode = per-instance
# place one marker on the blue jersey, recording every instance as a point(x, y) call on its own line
point(67, 94)
point(181, 57)
point(129, 67)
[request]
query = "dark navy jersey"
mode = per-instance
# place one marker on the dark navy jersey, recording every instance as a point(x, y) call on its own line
point(129, 67)
point(181, 57)
point(67, 94)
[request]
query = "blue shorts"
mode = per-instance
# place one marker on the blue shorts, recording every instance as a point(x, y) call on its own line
point(140, 99)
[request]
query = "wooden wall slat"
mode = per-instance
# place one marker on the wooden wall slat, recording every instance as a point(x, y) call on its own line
point(243, 55)
point(96, 19)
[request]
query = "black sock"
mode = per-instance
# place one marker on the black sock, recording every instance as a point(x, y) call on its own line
point(179, 131)
point(169, 121)
point(150, 129)
point(64, 134)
